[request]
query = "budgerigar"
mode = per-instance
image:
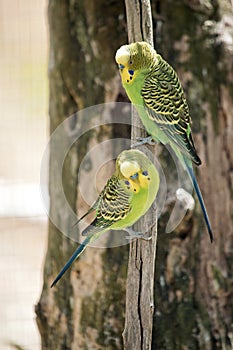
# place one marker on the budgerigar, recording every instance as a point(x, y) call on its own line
point(156, 92)
point(127, 196)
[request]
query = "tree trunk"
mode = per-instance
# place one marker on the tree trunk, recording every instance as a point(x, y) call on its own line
point(193, 277)
point(137, 334)
point(194, 294)
point(85, 310)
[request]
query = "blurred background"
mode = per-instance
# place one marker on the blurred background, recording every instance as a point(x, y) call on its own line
point(23, 137)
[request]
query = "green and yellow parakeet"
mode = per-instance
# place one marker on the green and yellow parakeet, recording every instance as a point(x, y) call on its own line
point(127, 196)
point(156, 92)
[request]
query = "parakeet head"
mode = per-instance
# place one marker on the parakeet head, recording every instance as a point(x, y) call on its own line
point(134, 167)
point(134, 57)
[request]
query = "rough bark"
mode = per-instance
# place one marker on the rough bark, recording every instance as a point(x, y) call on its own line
point(193, 278)
point(85, 310)
point(137, 334)
point(194, 291)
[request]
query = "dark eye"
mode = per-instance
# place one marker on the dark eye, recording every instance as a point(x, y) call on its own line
point(145, 173)
point(134, 176)
point(130, 62)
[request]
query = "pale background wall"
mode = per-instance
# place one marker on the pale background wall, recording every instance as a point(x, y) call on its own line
point(23, 136)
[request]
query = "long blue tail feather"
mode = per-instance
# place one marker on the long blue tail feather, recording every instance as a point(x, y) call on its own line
point(75, 255)
point(199, 195)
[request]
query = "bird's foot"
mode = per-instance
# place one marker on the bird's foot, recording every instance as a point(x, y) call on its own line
point(144, 141)
point(133, 234)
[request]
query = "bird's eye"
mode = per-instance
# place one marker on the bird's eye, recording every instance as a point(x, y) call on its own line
point(130, 62)
point(134, 176)
point(145, 173)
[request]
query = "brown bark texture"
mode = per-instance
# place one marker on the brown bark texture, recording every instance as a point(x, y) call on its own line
point(139, 312)
point(85, 309)
point(194, 288)
point(194, 294)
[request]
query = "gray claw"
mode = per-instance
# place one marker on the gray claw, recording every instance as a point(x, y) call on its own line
point(143, 141)
point(133, 234)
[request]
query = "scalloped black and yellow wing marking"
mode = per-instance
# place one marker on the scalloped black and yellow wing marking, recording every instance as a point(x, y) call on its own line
point(112, 206)
point(167, 107)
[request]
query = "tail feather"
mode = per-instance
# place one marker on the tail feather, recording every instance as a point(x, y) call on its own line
point(82, 217)
point(75, 256)
point(199, 195)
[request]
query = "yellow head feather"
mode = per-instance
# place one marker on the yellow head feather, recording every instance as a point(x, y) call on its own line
point(134, 57)
point(123, 55)
point(129, 168)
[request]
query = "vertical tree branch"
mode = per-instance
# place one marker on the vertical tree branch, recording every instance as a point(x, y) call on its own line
point(140, 280)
